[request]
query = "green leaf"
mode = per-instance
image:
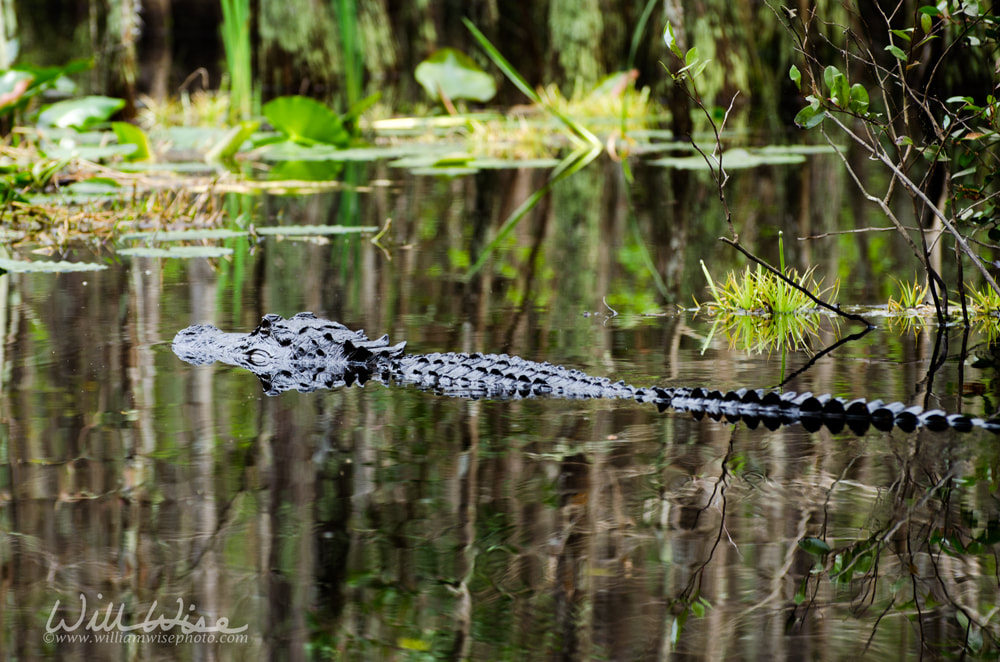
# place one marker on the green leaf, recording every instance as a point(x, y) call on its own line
point(691, 56)
point(453, 74)
point(830, 75)
point(796, 77)
point(929, 10)
point(80, 114)
point(230, 142)
point(355, 111)
point(14, 86)
point(814, 546)
point(896, 51)
point(130, 134)
point(841, 92)
point(926, 23)
point(670, 40)
point(903, 34)
point(306, 121)
point(809, 117)
point(859, 99)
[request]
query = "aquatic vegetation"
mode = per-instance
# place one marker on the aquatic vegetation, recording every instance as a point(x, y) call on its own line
point(22, 83)
point(236, 40)
point(130, 134)
point(177, 252)
point(82, 113)
point(759, 333)
point(449, 74)
point(47, 266)
point(759, 291)
point(906, 127)
point(306, 121)
point(911, 295)
point(578, 133)
point(984, 301)
point(208, 108)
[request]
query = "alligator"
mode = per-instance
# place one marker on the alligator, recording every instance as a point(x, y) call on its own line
point(306, 353)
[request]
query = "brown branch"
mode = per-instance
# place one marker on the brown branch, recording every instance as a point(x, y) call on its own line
point(819, 302)
point(916, 192)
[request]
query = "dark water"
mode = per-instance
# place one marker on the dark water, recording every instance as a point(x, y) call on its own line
point(387, 523)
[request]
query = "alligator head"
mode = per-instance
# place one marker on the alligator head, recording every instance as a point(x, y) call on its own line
point(303, 352)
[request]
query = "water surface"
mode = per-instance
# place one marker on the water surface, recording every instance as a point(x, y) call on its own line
point(385, 522)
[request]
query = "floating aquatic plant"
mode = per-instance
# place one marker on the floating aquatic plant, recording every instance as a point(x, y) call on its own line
point(183, 252)
point(36, 266)
point(449, 74)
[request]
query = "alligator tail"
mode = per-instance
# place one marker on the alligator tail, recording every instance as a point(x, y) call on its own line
point(774, 409)
point(502, 376)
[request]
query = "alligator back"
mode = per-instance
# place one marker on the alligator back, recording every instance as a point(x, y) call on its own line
point(305, 353)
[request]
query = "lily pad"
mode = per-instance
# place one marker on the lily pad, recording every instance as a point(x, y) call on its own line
point(71, 150)
point(309, 230)
point(453, 74)
point(182, 252)
point(185, 235)
point(25, 266)
point(81, 113)
point(732, 159)
point(798, 149)
point(444, 171)
point(306, 121)
point(289, 151)
point(96, 186)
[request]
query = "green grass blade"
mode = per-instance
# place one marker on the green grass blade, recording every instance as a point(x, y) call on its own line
point(567, 167)
point(577, 130)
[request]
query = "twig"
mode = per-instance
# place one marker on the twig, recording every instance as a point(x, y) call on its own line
point(819, 302)
point(812, 361)
point(853, 231)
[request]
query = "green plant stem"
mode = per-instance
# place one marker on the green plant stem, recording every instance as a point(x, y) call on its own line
point(236, 42)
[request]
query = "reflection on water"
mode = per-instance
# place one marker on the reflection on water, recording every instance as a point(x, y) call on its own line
point(377, 522)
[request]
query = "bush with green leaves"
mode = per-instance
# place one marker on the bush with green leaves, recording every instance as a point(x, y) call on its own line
point(911, 86)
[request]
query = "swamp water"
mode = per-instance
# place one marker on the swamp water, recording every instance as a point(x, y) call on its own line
point(390, 523)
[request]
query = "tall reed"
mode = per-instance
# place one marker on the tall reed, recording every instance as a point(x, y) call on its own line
point(346, 12)
point(236, 40)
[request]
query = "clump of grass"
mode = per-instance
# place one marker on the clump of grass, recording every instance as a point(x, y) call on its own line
point(761, 292)
point(911, 295)
point(204, 108)
point(984, 301)
point(509, 139)
point(616, 96)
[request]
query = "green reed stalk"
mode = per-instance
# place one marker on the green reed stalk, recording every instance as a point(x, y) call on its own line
point(346, 12)
point(236, 40)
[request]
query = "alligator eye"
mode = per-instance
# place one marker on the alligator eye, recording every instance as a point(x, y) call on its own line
point(258, 357)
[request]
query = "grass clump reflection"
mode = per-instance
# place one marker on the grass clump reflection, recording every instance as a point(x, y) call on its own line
point(762, 312)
